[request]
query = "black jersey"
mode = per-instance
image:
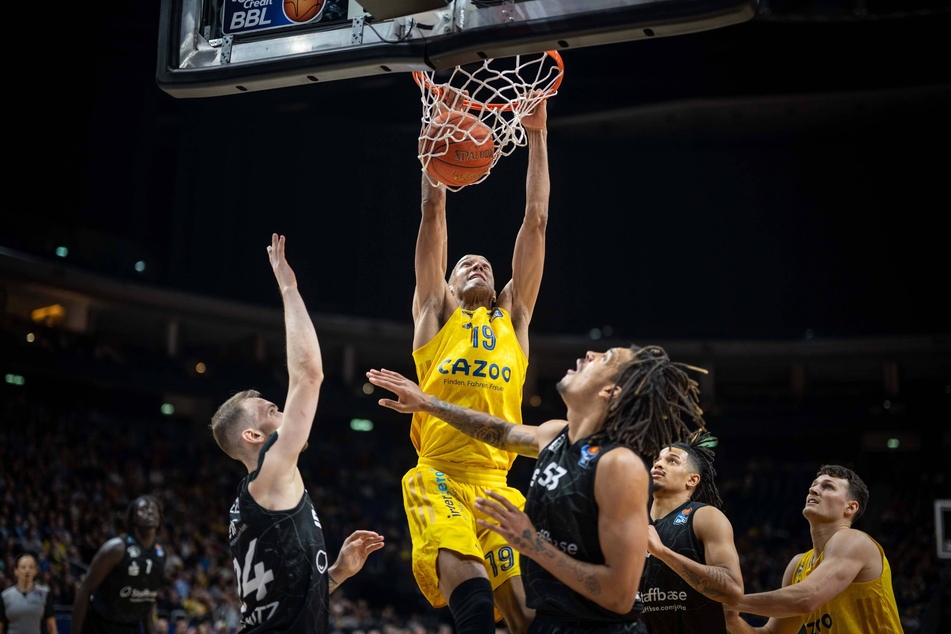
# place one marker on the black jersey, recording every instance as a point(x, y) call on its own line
point(671, 606)
point(280, 562)
point(562, 507)
point(128, 593)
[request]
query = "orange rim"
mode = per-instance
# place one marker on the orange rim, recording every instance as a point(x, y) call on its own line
point(422, 79)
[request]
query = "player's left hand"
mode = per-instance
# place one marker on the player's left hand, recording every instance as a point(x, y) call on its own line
point(513, 524)
point(354, 553)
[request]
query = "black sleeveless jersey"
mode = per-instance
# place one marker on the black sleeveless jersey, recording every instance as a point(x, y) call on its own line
point(562, 506)
point(671, 606)
point(280, 562)
point(129, 591)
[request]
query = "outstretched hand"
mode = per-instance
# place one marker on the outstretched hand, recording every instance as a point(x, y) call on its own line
point(282, 270)
point(513, 524)
point(411, 398)
point(354, 553)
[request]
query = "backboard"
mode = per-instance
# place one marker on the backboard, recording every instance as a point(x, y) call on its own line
point(210, 48)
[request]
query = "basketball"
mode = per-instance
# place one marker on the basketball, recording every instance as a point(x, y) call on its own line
point(303, 10)
point(465, 159)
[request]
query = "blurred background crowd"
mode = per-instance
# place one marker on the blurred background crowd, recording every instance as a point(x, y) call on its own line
point(75, 452)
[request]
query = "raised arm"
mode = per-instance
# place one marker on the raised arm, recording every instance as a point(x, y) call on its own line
point(719, 576)
point(528, 257)
point(279, 483)
point(105, 559)
point(621, 490)
point(432, 290)
point(526, 440)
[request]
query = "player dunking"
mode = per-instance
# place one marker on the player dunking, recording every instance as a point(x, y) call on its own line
point(470, 346)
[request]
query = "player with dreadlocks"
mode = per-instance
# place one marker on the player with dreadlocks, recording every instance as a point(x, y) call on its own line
point(692, 566)
point(583, 535)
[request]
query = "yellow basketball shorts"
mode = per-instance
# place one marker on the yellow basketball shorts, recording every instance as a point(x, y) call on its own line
point(440, 509)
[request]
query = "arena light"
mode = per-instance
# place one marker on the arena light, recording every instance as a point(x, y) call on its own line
point(361, 424)
point(48, 314)
point(15, 379)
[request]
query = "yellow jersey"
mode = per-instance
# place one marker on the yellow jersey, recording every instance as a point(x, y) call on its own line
point(862, 608)
point(474, 361)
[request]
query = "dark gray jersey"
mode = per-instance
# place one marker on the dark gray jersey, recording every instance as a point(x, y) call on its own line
point(280, 562)
point(129, 591)
point(562, 506)
point(671, 606)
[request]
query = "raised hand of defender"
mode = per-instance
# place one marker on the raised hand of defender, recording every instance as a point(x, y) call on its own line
point(354, 553)
point(513, 524)
point(411, 398)
point(282, 270)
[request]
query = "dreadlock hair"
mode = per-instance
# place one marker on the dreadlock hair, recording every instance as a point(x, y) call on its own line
point(700, 455)
point(656, 394)
point(858, 491)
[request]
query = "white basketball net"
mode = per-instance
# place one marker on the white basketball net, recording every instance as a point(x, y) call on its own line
point(498, 92)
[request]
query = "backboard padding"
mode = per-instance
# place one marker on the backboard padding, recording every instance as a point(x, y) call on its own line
point(197, 59)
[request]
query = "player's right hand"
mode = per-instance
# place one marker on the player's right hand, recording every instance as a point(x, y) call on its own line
point(411, 398)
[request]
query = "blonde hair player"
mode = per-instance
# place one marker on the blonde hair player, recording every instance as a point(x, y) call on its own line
point(282, 569)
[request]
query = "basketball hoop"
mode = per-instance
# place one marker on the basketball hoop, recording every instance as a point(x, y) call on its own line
point(498, 92)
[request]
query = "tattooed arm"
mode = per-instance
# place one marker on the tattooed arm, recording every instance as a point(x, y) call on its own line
point(621, 490)
point(718, 577)
point(526, 440)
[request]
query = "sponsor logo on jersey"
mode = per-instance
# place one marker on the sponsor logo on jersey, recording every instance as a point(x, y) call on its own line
point(446, 494)
point(657, 594)
point(136, 595)
point(475, 368)
point(682, 517)
point(565, 546)
point(588, 453)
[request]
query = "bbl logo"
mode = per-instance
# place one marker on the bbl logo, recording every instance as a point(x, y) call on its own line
point(301, 11)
